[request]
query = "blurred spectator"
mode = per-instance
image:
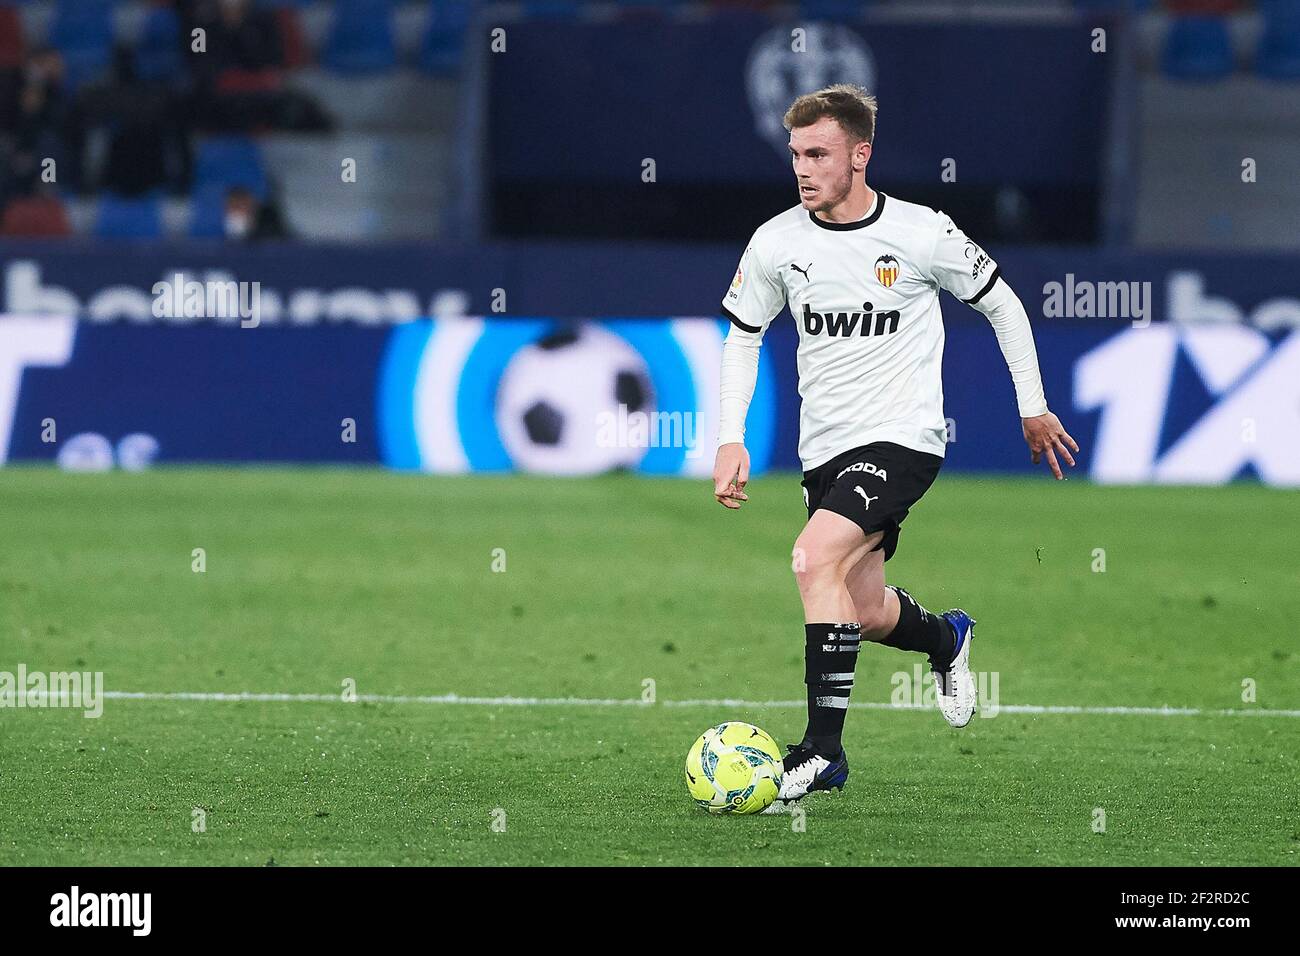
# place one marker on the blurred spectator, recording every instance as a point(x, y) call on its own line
point(137, 162)
point(238, 75)
point(40, 116)
point(239, 37)
point(248, 220)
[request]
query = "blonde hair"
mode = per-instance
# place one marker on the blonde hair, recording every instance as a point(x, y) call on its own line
point(850, 106)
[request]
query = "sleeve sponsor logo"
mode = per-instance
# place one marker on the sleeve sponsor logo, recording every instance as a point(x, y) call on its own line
point(977, 257)
point(738, 280)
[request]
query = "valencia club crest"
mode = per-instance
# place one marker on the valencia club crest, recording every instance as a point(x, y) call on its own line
point(887, 270)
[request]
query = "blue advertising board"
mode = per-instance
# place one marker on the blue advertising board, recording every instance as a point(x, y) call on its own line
point(1157, 403)
point(1165, 367)
point(375, 285)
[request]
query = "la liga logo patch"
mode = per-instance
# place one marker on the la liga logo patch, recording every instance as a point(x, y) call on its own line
point(887, 270)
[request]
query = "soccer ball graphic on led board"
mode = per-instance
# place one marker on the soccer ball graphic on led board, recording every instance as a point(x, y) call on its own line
point(558, 395)
point(734, 768)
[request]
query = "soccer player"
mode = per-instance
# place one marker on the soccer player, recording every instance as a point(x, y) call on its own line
point(861, 272)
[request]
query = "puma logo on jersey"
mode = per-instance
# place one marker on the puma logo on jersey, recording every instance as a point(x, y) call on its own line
point(865, 322)
point(866, 502)
point(804, 272)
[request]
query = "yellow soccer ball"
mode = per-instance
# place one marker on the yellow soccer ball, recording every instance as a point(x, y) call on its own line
point(734, 768)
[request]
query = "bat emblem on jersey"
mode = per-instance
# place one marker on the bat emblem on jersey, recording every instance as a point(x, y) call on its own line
point(803, 271)
point(866, 502)
point(887, 270)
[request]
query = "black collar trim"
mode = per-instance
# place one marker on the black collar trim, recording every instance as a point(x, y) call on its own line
point(846, 226)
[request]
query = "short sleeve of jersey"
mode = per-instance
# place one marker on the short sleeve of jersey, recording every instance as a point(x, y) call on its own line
point(960, 265)
point(755, 296)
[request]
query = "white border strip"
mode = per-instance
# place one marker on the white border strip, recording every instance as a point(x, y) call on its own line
point(458, 700)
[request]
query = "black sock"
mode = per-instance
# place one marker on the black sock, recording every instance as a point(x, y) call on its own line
point(830, 656)
point(919, 630)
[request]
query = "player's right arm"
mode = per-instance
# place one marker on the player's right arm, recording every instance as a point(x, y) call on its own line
point(755, 297)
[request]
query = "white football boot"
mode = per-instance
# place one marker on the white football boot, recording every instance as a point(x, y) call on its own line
point(955, 687)
point(805, 771)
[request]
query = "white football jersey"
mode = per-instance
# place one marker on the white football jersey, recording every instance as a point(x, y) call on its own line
point(865, 298)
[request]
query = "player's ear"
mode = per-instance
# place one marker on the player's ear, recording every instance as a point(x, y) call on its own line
point(862, 156)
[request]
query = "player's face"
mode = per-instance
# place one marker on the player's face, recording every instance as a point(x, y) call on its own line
point(826, 162)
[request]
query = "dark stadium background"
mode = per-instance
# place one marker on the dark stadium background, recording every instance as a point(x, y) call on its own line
point(484, 238)
point(499, 161)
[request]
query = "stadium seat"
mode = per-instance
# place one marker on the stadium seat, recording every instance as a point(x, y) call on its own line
point(82, 31)
point(158, 55)
point(123, 218)
point(293, 41)
point(360, 38)
point(35, 216)
point(11, 38)
point(1278, 56)
point(230, 161)
point(444, 40)
point(1198, 48)
point(208, 212)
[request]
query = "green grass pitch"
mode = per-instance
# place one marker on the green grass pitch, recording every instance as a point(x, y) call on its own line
point(315, 577)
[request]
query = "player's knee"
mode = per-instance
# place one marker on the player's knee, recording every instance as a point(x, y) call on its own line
point(815, 564)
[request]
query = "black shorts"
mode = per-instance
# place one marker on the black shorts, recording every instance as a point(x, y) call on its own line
point(873, 486)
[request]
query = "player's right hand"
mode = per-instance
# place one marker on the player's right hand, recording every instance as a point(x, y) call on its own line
point(730, 474)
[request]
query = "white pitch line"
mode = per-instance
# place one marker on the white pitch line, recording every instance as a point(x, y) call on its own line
point(457, 699)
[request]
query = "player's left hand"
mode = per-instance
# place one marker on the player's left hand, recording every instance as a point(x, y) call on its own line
point(1045, 435)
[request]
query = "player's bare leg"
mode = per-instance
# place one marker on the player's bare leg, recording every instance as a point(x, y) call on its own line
point(826, 552)
point(891, 616)
point(828, 548)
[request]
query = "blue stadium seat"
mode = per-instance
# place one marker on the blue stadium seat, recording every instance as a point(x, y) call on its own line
point(361, 37)
point(444, 39)
point(1198, 48)
point(122, 218)
point(82, 30)
point(158, 55)
point(1278, 57)
point(208, 212)
point(230, 161)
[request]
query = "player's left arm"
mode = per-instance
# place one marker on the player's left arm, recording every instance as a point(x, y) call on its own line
point(965, 270)
point(1043, 431)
